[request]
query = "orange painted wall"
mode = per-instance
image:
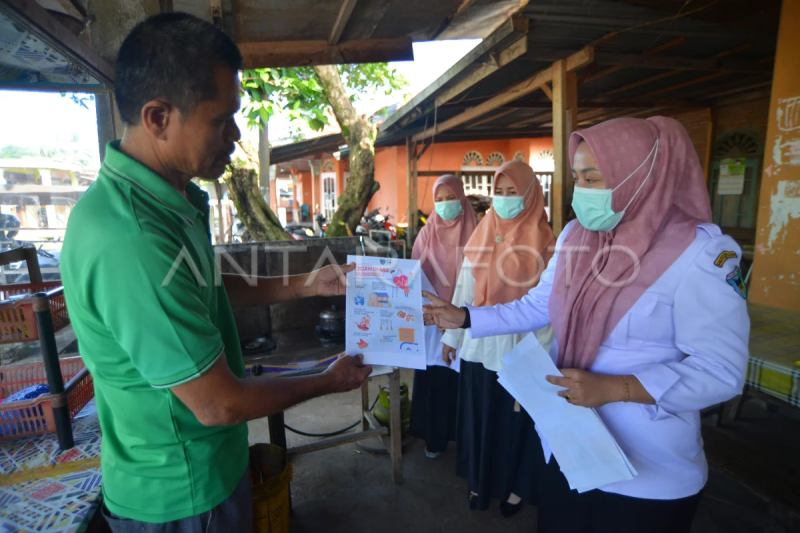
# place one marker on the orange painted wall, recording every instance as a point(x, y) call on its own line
point(390, 169)
point(776, 275)
point(390, 165)
point(305, 190)
point(340, 166)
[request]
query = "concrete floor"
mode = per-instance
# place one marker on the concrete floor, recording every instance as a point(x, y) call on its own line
point(346, 490)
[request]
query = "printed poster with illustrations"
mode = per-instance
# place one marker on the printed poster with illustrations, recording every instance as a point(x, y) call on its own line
point(384, 312)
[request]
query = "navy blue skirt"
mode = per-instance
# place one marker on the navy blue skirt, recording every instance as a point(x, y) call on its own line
point(498, 449)
point(433, 407)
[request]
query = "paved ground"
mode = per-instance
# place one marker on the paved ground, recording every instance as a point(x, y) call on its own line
point(345, 490)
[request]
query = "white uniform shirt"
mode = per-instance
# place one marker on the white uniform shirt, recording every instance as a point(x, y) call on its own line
point(685, 339)
point(490, 350)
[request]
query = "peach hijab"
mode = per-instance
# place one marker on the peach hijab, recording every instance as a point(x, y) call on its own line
point(509, 256)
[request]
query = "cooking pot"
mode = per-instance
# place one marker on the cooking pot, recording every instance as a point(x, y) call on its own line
point(331, 322)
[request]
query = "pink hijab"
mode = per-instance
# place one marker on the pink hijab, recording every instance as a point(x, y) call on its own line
point(656, 229)
point(440, 243)
point(502, 251)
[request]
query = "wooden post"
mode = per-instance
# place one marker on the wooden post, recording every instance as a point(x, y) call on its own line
point(559, 189)
point(218, 191)
point(52, 366)
point(277, 430)
point(571, 125)
point(263, 160)
point(364, 404)
point(32, 261)
point(565, 121)
point(104, 110)
point(396, 426)
point(712, 133)
point(411, 188)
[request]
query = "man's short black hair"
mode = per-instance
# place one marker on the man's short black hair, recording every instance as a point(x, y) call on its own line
point(171, 56)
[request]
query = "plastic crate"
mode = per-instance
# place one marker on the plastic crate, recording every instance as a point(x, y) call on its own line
point(35, 417)
point(17, 322)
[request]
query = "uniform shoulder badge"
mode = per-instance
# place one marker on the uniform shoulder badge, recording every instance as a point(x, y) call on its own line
point(736, 281)
point(724, 256)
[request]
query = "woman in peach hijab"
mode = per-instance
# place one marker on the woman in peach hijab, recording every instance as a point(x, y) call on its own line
point(496, 441)
point(439, 248)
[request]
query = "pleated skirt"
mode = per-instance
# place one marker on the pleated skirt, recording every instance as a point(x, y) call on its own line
point(498, 449)
point(433, 407)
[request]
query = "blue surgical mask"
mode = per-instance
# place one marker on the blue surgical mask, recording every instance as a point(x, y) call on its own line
point(449, 209)
point(508, 207)
point(593, 206)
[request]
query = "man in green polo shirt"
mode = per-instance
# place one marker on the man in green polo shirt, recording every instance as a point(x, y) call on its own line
point(155, 328)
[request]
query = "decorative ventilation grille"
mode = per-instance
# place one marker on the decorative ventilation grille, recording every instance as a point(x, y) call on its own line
point(473, 159)
point(737, 143)
point(495, 159)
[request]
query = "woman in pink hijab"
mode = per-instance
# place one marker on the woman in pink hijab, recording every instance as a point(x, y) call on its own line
point(647, 303)
point(439, 247)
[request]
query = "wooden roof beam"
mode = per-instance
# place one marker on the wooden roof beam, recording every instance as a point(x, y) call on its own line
point(539, 117)
point(341, 21)
point(658, 62)
point(649, 53)
point(662, 75)
point(689, 83)
point(609, 116)
point(490, 118)
point(516, 27)
point(515, 92)
point(420, 106)
point(307, 53)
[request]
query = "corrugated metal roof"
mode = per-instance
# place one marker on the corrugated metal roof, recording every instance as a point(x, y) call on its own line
point(561, 27)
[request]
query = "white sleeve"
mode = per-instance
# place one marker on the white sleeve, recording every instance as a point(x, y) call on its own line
point(464, 294)
point(530, 313)
point(712, 328)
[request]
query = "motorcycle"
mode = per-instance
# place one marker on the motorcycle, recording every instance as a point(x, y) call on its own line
point(320, 225)
point(375, 221)
point(299, 233)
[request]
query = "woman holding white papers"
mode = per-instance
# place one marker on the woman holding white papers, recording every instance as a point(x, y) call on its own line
point(439, 248)
point(648, 307)
point(496, 441)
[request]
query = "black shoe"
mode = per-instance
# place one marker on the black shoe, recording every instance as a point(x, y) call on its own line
point(509, 509)
point(472, 498)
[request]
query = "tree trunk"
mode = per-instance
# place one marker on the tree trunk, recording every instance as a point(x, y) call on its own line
point(242, 181)
point(263, 160)
point(360, 135)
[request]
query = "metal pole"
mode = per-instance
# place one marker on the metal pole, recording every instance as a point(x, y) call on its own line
point(52, 367)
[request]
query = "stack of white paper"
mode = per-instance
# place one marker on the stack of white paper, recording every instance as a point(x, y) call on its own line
point(587, 453)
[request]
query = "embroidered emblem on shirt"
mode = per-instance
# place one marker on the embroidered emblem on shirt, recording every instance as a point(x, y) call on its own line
point(498, 239)
point(724, 256)
point(736, 281)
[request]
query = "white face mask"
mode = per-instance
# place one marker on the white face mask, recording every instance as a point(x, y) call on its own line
point(593, 206)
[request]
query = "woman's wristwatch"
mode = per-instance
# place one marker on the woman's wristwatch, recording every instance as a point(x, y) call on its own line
point(467, 322)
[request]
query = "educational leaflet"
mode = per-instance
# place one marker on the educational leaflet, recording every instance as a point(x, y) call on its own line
point(384, 312)
point(587, 453)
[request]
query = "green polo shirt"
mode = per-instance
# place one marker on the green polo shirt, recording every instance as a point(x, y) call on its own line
point(139, 278)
